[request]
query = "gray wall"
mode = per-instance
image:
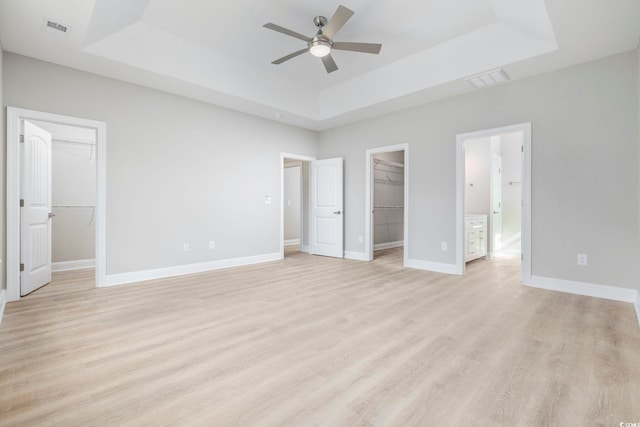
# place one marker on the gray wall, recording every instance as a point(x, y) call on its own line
point(178, 171)
point(584, 166)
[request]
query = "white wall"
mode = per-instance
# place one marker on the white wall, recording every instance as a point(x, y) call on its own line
point(477, 195)
point(388, 224)
point(511, 193)
point(292, 201)
point(73, 184)
point(178, 171)
point(584, 167)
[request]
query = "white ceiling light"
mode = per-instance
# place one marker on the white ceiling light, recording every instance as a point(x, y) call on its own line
point(488, 78)
point(319, 48)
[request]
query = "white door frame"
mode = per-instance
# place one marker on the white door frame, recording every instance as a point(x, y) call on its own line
point(491, 248)
point(525, 128)
point(292, 157)
point(368, 205)
point(14, 117)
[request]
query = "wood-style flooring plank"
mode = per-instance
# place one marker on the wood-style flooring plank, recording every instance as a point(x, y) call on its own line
point(312, 341)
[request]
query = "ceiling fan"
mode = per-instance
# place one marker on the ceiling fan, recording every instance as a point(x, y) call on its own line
point(321, 44)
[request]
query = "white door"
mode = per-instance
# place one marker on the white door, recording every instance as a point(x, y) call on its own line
point(35, 214)
point(496, 203)
point(327, 211)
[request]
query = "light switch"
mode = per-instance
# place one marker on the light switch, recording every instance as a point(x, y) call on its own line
point(267, 200)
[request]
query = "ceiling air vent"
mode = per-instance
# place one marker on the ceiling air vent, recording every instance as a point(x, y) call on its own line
point(54, 27)
point(489, 78)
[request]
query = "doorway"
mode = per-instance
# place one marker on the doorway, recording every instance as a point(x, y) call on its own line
point(494, 196)
point(16, 120)
point(295, 200)
point(386, 201)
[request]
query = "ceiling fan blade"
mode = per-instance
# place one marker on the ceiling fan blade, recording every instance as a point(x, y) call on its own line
point(358, 47)
point(329, 64)
point(336, 22)
point(288, 57)
point(286, 31)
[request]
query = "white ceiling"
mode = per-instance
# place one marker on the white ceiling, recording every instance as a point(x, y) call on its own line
point(218, 51)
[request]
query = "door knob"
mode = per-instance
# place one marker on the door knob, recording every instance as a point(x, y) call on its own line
point(337, 212)
point(496, 212)
point(51, 214)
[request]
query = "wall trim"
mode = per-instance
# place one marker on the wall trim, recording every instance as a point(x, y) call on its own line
point(587, 289)
point(181, 270)
point(3, 303)
point(358, 256)
point(388, 245)
point(437, 267)
point(292, 242)
point(73, 265)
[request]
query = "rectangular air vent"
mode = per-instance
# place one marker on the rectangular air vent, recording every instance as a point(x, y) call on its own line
point(489, 78)
point(51, 26)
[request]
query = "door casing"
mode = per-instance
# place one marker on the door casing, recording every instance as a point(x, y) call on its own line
point(14, 118)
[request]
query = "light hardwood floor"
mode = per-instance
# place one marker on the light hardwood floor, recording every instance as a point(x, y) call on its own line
point(318, 341)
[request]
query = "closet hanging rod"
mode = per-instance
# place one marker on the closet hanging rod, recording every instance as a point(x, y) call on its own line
point(74, 206)
point(388, 207)
point(73, 141)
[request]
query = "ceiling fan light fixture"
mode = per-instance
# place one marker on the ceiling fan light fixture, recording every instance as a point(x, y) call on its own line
point(319, 48)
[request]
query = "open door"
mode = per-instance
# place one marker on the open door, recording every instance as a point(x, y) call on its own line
point(327, 211)
point(35, 212)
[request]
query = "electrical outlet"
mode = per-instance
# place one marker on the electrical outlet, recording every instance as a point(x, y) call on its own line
point(444, 246)
point(361, 239)
point(582, 259)
point(185, 247)
point(212, 244)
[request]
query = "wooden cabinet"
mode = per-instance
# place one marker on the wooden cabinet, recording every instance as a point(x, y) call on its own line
point(475, 241)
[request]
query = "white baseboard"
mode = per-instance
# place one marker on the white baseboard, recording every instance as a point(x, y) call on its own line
point(304, 248)
point(588, 289)
point(637, 305)
point(292, 242)
point(388, 245)
point(437, 267)
point(358, 256)
point(3, 303)
point(73, 265)
point(180, 270)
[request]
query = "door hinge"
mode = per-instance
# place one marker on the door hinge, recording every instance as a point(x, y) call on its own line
point(522, 148)
point(521, 257)
point(21, 138)
point(22, 203)
point(21, 267)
